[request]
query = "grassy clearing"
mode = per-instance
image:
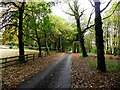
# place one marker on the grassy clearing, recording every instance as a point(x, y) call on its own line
point(110, 65)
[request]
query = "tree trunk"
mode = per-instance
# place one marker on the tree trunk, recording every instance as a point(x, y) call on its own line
point(59, 44)
point(119, 31)
point(74, 47)
point(107, 42)
point(55, 45)
point(39, 44)
point(78, 49)
point(99, 39)
point(20, 34)
point(81, 39)
point(46, 46)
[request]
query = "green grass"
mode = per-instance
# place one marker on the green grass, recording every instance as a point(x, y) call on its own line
point(92, 54)
point(92, 64)
point(110, 65)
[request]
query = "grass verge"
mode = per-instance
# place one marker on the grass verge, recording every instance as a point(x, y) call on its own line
point(110, 65)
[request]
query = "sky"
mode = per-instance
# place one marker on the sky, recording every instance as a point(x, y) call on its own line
point(84, 4)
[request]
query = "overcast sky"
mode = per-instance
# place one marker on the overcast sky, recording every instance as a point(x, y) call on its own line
point(84, 4)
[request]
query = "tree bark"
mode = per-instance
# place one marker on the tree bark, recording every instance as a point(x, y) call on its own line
point(59, 44)
point(46, 46)
point(81, 39)
point(55, 44)
point(78, 49)
point(119, 31)
point(39, 44)
point(74, 47)
point(20, 34)
point(99, 39)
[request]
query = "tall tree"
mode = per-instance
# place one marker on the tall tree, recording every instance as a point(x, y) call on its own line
point(38, 24)
point(15, 10)
point(99, 35)
point(99, 38)
point(75, 12)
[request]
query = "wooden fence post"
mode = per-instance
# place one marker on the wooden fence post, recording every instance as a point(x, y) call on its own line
point(5, 62)
point(26, 57)
point(33, 56)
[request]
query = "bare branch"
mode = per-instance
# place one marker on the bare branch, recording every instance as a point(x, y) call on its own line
point(87, 28)
point(8, 25)
point(71, 8)
point(106, 6)
point(112, 11)
point(91, 3)
point(90, 17)
point(82, 13)
point(68, 13)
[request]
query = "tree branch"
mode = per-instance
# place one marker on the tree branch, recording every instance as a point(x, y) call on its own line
point(82, 13)
point(68, 13)
point(112, 11)
point(30, 37)
point(15, 5)
point(7, 13)
point(91, 3)
point(106, 6)
point(90, 17)
point(8, 25)
point(87, 28)
point(71, 8)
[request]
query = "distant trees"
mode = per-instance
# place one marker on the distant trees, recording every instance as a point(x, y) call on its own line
point(63, 34)
point(78, 13)
point(111, 26)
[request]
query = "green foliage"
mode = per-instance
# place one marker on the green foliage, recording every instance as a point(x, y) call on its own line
point(94, 50)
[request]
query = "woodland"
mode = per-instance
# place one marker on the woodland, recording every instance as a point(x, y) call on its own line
point(32, 25)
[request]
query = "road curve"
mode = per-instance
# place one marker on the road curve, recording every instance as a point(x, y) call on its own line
point(56, 75)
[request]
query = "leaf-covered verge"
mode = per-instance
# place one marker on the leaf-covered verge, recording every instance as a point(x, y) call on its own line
point(12, 76)
point(83, 76)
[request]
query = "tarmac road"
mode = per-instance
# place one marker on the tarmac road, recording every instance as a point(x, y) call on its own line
point(56, 75)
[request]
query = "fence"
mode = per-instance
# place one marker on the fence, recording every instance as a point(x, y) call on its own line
point(9, 61)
